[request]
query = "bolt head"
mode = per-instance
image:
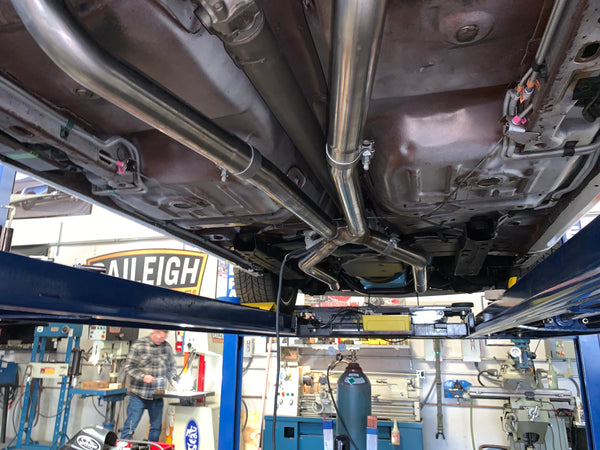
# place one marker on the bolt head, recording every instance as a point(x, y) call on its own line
point(468, 33)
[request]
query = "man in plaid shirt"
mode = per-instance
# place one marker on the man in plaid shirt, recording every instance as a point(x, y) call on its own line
point(149, 365)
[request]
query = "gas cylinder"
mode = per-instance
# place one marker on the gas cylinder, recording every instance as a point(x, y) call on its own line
point(354, 405)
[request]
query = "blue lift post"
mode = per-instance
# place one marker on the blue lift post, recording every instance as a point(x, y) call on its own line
point(30, 399)
point(588, 359)
point(231, 388)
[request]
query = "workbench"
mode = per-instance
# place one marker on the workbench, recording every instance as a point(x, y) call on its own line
point(306, 433)
point(110, 396)
point(184, 398)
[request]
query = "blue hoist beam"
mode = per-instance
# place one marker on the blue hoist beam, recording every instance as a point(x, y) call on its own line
point(30, 288)
point(566, 283)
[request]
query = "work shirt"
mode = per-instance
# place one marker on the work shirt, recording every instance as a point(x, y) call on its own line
point(146, 358)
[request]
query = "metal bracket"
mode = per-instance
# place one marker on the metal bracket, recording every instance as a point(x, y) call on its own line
point(32, 122)
point(233, 20)
point(366, 153)
point(520, 135)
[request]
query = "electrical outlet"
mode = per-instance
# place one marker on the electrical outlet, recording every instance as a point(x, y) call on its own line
point(248, 347)
point(471, 350)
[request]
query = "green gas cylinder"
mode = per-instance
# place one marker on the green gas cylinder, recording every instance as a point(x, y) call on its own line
point(354, 405)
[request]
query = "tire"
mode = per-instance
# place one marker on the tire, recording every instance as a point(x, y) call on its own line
point(263, 288)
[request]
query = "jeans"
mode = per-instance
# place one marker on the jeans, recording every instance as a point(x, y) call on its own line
point(135, 409)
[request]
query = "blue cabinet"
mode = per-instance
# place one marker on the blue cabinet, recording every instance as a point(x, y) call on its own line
point(306, 433)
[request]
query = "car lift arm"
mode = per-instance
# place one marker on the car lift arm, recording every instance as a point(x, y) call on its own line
point(563, 286)
point(30, 287)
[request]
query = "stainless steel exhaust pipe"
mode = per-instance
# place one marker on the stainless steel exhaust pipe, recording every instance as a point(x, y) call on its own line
point(379, 244)
point(385, 246)
point(357, 29)
point(309, 264)
point(356, 36)
point(69, 46)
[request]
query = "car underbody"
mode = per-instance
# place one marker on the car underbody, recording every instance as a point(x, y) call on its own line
point(380, 147)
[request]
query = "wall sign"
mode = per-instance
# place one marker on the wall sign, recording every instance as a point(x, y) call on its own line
point(180, 270)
